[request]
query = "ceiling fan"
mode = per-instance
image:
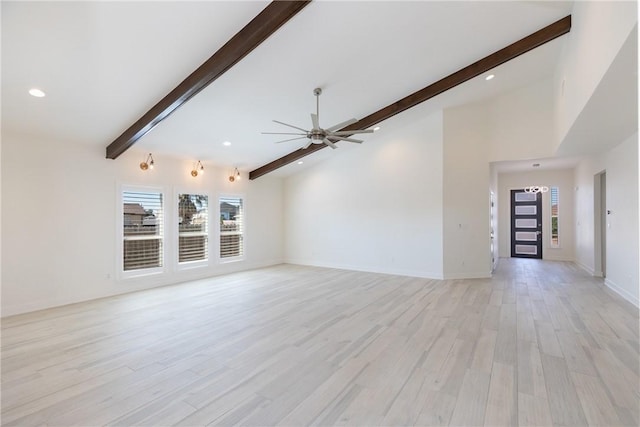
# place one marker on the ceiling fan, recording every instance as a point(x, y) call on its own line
point(317, 135)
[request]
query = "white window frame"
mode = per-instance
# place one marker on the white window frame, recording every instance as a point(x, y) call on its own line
point(121, 273)
point(179, 266)
point(551, 216)
point(219, 234)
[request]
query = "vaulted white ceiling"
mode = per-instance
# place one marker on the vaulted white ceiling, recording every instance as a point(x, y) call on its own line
point(104, 64)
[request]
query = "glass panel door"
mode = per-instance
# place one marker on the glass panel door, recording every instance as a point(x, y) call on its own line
point(526, 224)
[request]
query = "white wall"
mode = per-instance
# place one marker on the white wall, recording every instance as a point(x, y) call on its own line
point(466, 222)
point(563, 179)
point(598, 31)
point(376, 207)
point(520, 123)
point(420, 154)
point(621, 166)
point(59, 235)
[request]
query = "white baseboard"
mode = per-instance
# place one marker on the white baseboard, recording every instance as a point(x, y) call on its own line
point(399, 272)
point(472, 275)
point(610, 284)
point(623, 293)
point(585, 268)
point(367, 269)
point(124, 287)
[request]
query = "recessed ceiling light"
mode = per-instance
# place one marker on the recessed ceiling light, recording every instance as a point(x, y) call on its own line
point(226, 143)
point(377, 128)
point(300, 162)
point(36, 92)
point(489, 77)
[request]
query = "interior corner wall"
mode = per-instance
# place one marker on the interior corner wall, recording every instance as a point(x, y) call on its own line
point(59, 237)
point(374, 207)
point(1, 260)
point(621, 167)
point(564, 180)
point(585, 171)
point(598, 31)
point(466, 194)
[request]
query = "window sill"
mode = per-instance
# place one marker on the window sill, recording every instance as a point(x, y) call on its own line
point(139, 274)
point(231, 259)
point(191, 265)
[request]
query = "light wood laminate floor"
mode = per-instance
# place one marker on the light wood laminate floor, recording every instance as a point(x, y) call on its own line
point(539, 344)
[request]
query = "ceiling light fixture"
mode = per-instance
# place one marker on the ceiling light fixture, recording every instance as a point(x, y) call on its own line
point(147, 163)
point(377, 128)
point(536, 189)
point(198, 169)
point(38, 93)
point(300, 162)
point(235, 176)
point(226, 143)
point(489, 77)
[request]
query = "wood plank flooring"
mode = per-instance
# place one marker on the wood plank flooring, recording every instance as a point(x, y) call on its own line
point(539, 344)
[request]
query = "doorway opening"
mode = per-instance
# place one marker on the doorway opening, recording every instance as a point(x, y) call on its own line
point(491, 227)
point(526, 224)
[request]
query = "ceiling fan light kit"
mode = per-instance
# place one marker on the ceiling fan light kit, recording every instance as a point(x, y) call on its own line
point(318, 135)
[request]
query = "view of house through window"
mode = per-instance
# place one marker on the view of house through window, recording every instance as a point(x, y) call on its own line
point(193, 222)
point(231, 227)
point(142, 230)
point(555, 242)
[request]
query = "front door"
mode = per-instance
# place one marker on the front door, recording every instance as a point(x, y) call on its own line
point(526, 224)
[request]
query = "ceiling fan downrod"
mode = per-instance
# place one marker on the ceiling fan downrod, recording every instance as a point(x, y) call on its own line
point(317, 92)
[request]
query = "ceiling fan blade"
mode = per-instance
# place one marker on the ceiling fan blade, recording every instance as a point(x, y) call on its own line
point(329, 143)
point(292, 139)
point(314, 121)
point(291, 126)
point(341, 125)
point(308, 144)
point(341, 138)
point(351, 132)
point(282, 133)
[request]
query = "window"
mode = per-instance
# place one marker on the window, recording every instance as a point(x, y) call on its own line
point(555, 242)
point(142, 230)
point(231, 227)
point(193, 228)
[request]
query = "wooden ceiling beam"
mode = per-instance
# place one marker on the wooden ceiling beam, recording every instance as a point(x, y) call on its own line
point(532, 41)
point(251, 36)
